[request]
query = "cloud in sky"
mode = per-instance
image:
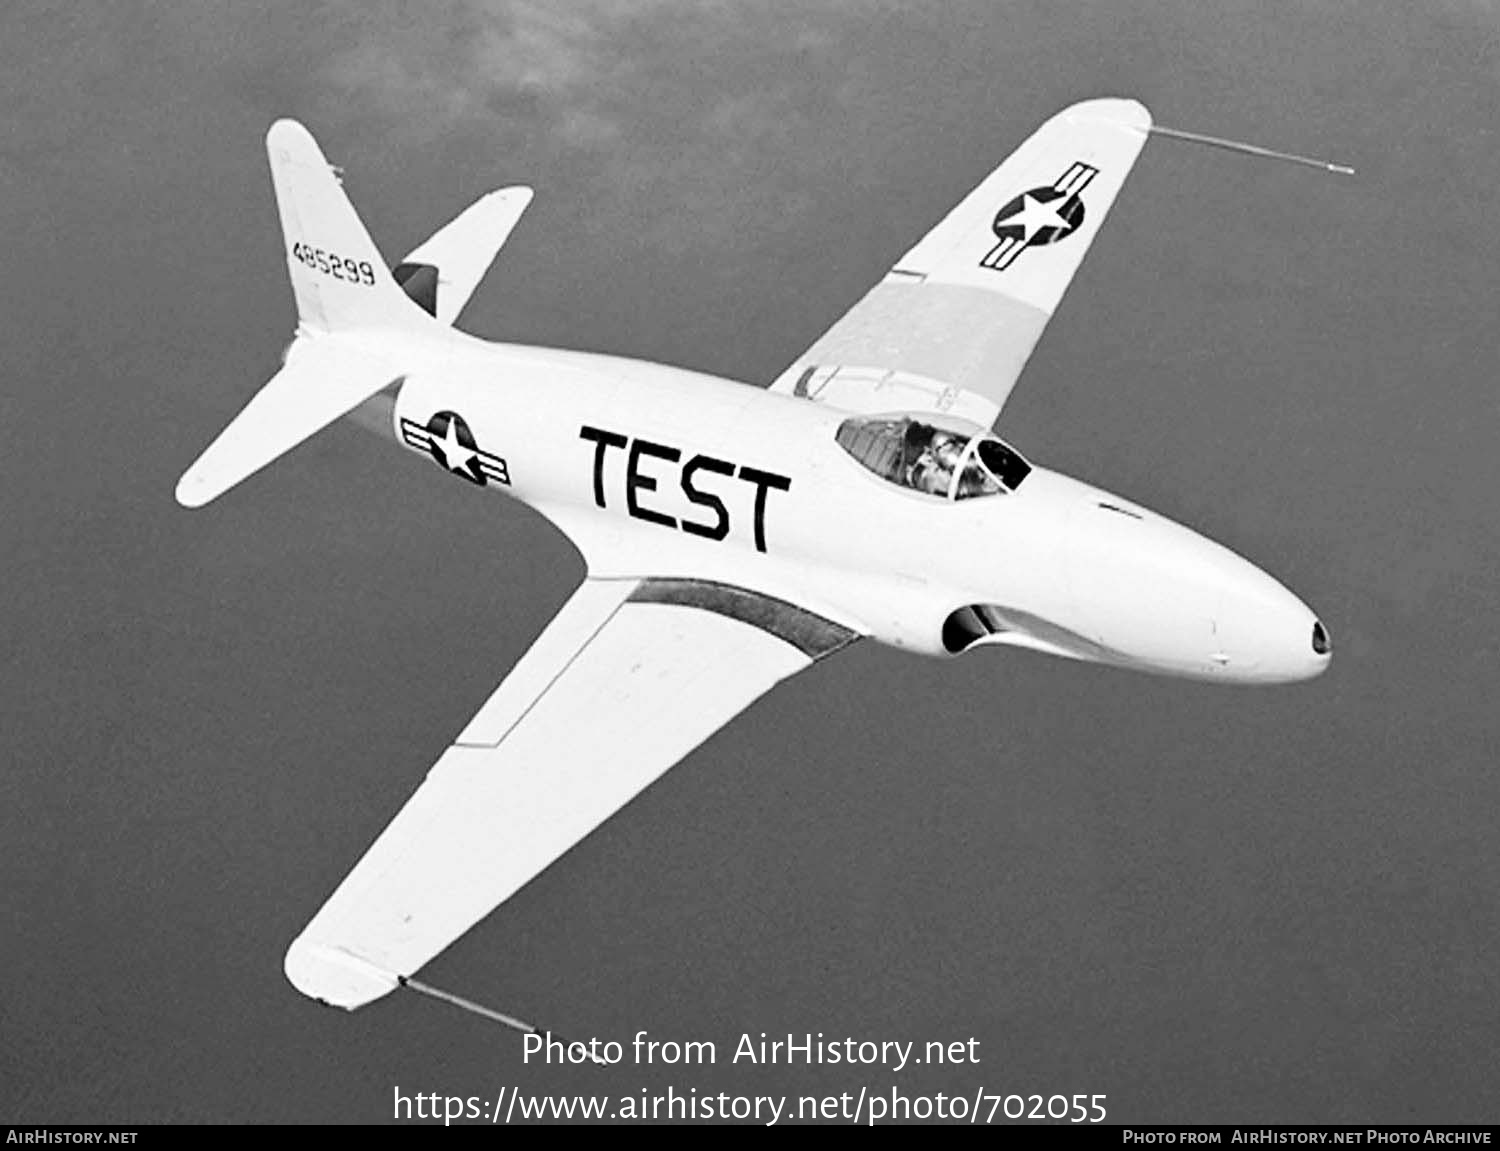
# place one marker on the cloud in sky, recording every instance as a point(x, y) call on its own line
point(574, 64)
point(730, 89)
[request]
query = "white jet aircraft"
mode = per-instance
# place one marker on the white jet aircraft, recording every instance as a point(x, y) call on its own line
point(733, 534)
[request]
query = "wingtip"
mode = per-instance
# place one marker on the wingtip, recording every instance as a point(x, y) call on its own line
point(1122, 110)
point(334, 976)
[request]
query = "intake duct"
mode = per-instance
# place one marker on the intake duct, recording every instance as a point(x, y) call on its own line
point(977, 623)
point(968, 625)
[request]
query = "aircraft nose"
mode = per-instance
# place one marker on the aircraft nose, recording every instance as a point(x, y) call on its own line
point(1158, 593)
point(1265, 633)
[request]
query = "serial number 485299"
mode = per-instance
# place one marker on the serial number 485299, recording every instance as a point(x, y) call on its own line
point(332, 264)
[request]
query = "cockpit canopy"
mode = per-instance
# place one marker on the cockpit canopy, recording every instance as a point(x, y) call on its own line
point(953, 465)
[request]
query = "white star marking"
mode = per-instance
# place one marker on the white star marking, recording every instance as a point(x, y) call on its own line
point(457, 457)
point(1036, 215)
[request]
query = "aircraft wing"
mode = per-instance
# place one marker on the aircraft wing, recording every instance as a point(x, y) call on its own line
point(964, 308)
point(624, 681)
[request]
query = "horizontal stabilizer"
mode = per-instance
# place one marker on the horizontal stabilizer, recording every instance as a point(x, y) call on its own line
point(463, 250)
point(322, 380)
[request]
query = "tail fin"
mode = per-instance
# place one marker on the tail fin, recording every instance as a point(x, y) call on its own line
point(338, 276)
point(343, 288)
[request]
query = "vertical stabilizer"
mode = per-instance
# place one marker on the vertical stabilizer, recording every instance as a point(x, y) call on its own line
point(338, 275)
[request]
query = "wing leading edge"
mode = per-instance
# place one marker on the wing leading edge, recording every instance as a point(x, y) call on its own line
point(625, 680)
point(966, 306)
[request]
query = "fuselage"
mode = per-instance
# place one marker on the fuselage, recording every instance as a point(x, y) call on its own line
point(649, 469)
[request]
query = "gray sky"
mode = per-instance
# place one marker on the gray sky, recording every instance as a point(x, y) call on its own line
point(1208, 904)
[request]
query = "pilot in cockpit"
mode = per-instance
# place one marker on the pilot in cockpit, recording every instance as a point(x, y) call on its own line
point(923, 458)
point(933, 469)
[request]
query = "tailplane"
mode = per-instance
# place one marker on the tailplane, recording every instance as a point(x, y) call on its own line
point(442, 272)
point(323, 379)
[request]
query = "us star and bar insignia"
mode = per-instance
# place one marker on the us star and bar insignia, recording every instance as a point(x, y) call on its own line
point(447, 438)
point(1039, 216)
